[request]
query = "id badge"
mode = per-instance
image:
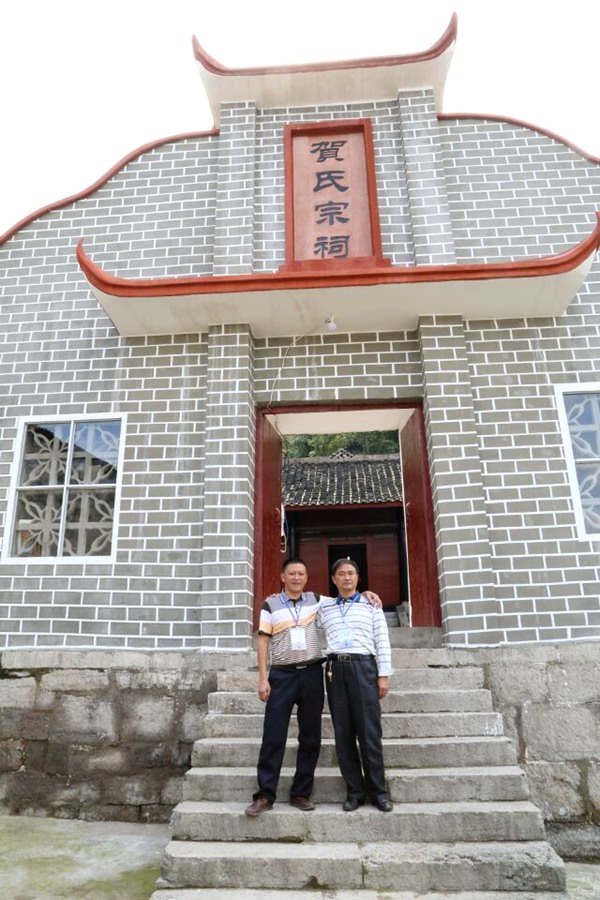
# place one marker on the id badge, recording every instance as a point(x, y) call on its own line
point(298, 638)
point(345, 636)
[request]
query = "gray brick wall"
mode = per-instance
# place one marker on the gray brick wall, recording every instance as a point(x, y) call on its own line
point(326, 367)
point(467, 597)
point(227, 547)
point(149, 598)
point(547, 581)
point(431, 225)
point(514, 192)
point(156, 217)
point(234, 219)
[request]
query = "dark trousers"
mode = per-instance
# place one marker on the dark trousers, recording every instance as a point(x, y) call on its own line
point(353, 696)
point(290, 687)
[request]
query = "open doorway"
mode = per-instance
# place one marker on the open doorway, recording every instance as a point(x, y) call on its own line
point(411, 570)
point(342, 497)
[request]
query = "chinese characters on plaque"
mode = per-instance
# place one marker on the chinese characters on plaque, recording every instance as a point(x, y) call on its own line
point(331, 213)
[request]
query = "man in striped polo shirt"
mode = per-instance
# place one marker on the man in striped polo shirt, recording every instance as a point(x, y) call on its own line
point(359, 663)
point(287, 631)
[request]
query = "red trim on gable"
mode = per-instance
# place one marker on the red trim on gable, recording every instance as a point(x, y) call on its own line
point(272, 281)
point(59, 204)
point(521, 122)
point(216, 68)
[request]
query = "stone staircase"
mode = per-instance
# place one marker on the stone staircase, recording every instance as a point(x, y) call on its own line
point(462, 825)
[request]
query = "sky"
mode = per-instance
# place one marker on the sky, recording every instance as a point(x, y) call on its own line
point(84, 84)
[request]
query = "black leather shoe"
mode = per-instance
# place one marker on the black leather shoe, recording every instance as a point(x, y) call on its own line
point(352, 804)
point(384, 805)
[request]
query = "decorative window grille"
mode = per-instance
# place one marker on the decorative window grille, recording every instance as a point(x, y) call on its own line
point(66, 489)
point(581, 421)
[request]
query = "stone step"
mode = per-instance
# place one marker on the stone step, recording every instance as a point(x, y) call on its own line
point(404, 679)
point(407, 823)
point(475, 700)
point(244, 894)
point(395, 725)
point(389, 866)
point(404, 785)
point(405, 753)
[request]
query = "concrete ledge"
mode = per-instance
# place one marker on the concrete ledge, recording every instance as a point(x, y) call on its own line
point(124, 659)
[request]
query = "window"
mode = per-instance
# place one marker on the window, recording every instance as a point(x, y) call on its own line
point(66, 489)
point(579, 410)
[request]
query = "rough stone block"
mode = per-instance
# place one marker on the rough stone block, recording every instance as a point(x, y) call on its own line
point(17, 693)
point(594, 785)
point(134, 790)
point(192, 718)
point(575, 842)
point(513, 685)
point(556, 790)
point(85, 719)
point(11, 755)
point(574, 683)
point(110, 761)
point(172, 792)
point(74, 680)
point(57, 758)
point(560, 732)
point(29, 725)
point(147, 717)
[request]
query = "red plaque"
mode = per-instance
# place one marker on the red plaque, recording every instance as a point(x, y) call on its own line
point(332, 218)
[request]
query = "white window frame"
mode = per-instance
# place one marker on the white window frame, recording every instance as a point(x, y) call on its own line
point(584, 387)
point(19, 445)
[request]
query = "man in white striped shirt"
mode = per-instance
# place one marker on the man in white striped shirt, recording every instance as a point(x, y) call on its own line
point(359, 663)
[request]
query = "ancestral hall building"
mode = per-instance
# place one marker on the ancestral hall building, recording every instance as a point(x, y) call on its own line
point(337, 255)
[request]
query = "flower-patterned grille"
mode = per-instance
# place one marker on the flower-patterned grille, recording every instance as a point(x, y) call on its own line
point(66, 490)
point(583, 416)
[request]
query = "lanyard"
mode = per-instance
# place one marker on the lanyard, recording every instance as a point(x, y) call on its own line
point(345, 603)
point(295, 612)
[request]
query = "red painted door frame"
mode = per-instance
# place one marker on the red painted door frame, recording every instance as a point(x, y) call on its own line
point(267, 513)
point(420, 535)
point(418, 521)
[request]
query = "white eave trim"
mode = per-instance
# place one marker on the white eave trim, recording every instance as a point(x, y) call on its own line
point(372, 307)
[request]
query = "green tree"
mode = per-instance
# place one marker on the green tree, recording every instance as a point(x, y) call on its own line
point(359, 442)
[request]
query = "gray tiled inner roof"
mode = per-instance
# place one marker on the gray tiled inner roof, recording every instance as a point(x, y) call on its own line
point(340, 479)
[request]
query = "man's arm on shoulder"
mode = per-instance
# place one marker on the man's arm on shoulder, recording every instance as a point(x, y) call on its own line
point(383, 650)
point(262, 652)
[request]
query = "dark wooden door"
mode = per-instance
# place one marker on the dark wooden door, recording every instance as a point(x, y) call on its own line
point(267, 513)
point(418, 514)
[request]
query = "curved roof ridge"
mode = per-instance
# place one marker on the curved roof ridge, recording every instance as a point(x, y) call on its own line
point(216, 68)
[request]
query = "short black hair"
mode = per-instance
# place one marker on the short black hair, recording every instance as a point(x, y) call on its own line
point(342, 562)
point(292, 561)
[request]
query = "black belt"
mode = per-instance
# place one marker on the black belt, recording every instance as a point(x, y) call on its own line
point(287, 668)
point(349, 657)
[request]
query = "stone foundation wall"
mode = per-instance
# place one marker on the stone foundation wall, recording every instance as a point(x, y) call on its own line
point(100, 736)
point(549, 697)
point(108, 735)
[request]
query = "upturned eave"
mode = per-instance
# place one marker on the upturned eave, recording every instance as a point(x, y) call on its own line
point(375, 299)
point(344, 81)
